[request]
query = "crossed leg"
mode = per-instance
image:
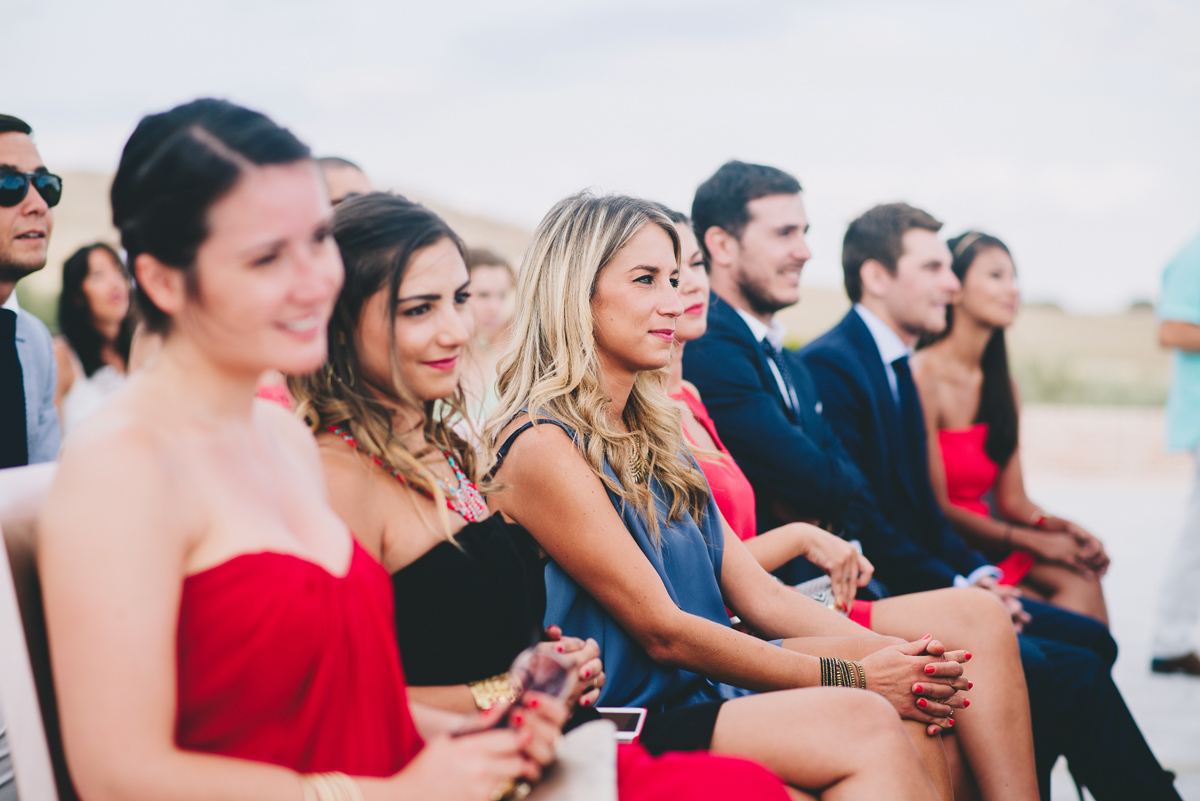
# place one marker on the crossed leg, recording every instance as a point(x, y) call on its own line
point(835, 742)
point(994, 734)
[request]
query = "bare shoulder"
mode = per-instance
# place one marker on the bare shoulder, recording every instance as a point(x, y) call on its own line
point(290, 430)
point(65, 358)
point(119, 482)
point(348, 473)
point(924, 366)
point(691, 388)
point(538, 451)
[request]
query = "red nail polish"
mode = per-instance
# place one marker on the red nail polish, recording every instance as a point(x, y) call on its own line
point(966, 703)
point(586, 702)
point(929, 669)
point(927, 636)
point(921, 702)
point(970, 684)
point(559, 647)
point(918, 688)
point(532, 703)
point(951, 721)
point(587, 674)
point(517, 720)
point(968, 656)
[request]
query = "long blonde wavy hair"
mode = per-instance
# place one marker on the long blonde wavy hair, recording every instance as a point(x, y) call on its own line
point(552, 368)
point(378, 235)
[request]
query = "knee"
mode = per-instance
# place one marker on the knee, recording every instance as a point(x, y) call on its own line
point(981, 610)
point(1099, 640)
point(871, 716)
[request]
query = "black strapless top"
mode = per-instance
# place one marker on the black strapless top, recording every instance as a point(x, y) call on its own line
point(464, 615)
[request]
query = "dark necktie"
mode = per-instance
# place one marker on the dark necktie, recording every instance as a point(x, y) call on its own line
point(789, 397)
point(910, 405)
point(14, 445)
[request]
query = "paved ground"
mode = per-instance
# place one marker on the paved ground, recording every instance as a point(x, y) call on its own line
point(1105, 469)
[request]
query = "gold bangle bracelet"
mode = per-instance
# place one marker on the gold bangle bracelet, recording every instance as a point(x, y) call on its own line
point(329, 787)
point(489, 692)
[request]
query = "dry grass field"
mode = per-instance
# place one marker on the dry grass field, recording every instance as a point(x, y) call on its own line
point(1057, 357)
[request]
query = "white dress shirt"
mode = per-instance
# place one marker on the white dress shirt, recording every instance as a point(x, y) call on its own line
point(773, 333)
point(891, 347)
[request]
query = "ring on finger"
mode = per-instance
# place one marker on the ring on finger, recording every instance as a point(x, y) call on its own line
point(502, 789)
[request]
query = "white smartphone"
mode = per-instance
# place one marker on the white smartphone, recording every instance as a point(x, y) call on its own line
point(629, 720)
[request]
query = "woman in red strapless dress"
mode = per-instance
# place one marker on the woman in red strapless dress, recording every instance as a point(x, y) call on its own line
point(964, 617)
point(972, 419)
point(214, 630)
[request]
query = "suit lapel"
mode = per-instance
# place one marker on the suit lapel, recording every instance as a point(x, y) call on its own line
point(894, 437)
point(721, 312)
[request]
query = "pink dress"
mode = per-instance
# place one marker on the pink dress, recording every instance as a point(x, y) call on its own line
point(734, 494)
point(970, 474)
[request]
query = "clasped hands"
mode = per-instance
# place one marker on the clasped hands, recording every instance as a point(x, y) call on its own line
point(921, 679)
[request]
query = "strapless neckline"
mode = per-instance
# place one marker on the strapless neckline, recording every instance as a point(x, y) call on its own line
point(355, 551)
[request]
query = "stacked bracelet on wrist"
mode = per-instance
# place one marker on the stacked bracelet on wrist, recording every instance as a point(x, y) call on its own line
point(489, 692)
point(842, 673)
point(329, 787)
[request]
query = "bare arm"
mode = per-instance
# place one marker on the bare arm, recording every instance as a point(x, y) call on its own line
point(65, 362)
point(397, 526)
point(112, 549)
point(550, 482)
point(1178, 334)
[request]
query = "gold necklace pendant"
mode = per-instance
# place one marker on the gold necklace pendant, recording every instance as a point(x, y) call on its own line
point(637, 470)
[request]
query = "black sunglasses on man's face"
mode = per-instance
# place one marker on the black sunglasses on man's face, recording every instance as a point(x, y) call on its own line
point(15, 185)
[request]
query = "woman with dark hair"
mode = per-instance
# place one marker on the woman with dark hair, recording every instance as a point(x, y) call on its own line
point(468, 588)
point(972, 418)
point(215, 631)
point(97, 325)
point(991, 748)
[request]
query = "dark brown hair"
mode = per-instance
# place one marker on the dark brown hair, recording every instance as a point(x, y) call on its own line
point(878, 234)
point(75, 319)
point(997, 404)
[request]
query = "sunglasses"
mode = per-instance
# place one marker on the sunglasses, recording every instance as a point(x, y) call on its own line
point(14, 186)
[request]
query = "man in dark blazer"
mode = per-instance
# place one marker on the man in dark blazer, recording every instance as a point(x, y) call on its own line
point(750, 222)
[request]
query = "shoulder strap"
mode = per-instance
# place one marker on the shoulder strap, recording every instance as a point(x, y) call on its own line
point(502, 451)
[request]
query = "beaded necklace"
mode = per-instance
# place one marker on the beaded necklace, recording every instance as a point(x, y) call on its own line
point(465, 499)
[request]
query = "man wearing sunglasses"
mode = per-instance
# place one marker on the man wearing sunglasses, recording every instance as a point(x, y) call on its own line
point(29, 429)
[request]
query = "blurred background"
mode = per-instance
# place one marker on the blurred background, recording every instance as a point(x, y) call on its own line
point(1068, 128)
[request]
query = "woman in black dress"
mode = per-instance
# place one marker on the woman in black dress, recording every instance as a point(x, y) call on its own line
point(468, 586)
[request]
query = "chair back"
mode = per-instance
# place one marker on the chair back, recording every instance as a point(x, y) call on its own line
point(26, 684)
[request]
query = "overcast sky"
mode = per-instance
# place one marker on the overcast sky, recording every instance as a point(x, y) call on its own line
point(1070, 129)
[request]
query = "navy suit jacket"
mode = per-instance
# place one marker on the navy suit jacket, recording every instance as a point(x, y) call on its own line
point(851, 381)
point(794, 459)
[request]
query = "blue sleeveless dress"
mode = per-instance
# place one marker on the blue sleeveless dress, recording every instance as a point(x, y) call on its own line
point(688, 560)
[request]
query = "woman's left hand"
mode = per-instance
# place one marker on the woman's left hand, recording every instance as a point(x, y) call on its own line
point(1092, 551)
point(1092, 554)
point(589, 669)
point(846, 567)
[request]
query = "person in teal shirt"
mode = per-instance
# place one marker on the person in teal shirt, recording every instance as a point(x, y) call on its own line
point(1173, 649)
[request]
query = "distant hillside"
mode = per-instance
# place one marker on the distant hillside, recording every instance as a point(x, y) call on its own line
point(1057, 357)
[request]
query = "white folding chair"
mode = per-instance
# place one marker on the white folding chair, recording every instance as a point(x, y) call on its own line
point(26, 685)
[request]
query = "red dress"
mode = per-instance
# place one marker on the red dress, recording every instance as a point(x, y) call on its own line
point(970, 474)
point(281, 661)
point(733, 492)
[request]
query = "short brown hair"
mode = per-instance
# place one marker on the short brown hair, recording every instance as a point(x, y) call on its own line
point(485, 257)
point(878, 235)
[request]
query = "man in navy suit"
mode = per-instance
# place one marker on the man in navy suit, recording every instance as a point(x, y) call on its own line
point(751, 223)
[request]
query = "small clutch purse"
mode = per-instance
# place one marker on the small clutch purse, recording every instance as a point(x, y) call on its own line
point(820, 590)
